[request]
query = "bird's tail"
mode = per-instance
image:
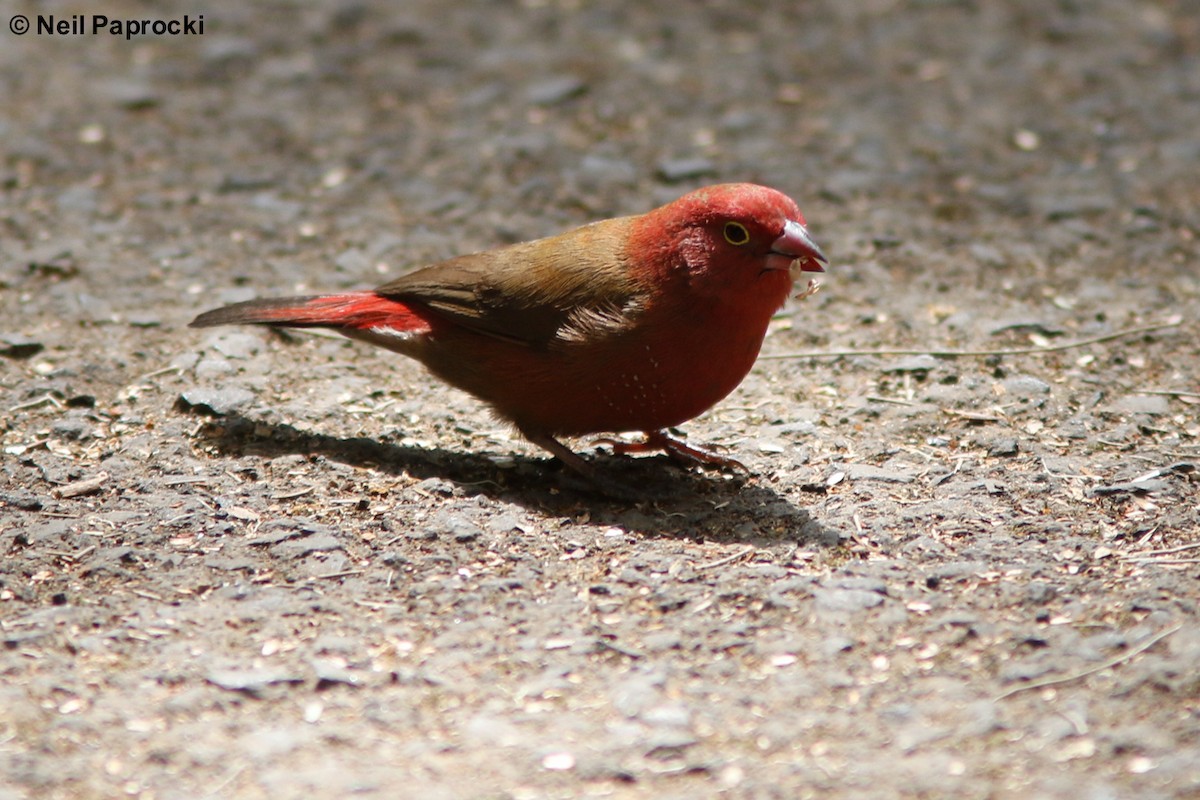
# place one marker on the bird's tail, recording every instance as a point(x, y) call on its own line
point(350, 311)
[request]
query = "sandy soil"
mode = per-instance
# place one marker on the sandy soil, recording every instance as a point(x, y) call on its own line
point(242, 564)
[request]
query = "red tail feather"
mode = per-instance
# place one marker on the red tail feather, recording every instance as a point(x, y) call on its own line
point(353, 310)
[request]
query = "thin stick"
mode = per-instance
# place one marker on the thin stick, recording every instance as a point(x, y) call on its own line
point(41, 401)
point(1019, 351)
point(346, 573)
point(158, 372)
point(972, 416)
point(1166, 551)
point(296, 493)
point(179, 480)
point(1112, 662)
point(88, 486)
point(893, 401)
point(720, 562)
point(1169, 393)
point(220, 787)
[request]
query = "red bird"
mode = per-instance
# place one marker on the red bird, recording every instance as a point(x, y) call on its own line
point(630, 324)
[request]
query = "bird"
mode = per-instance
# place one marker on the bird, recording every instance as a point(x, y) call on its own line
point(631, 324)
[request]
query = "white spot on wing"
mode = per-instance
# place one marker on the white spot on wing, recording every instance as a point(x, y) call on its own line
point(586, 324)
point(393, 333)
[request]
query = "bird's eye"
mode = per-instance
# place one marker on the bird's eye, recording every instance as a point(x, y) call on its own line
point(736, 233)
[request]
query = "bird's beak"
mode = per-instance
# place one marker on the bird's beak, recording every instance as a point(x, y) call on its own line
point(799, 250)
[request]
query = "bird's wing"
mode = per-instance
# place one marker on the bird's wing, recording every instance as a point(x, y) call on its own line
point(557, 290)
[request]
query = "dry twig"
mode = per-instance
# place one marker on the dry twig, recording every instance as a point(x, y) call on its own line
point(79, 488)
point(1166, 551)
point(1017, 351)
point(1112, 662)
point(720, 562)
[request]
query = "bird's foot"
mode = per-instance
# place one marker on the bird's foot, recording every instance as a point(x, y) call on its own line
point(660, 442)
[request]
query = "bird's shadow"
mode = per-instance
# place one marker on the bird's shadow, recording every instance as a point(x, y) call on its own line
point(669, 501)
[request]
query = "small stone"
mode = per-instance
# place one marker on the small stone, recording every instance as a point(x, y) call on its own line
point(1028, 326)
point(671, 715)
point(71, 429)
point(1026, 386)
point(846, 600)
point(14, 345)
point(21, 499)
point(1004, 447)
point(1039, 593)
point(666, 741)
point(212, 368)
point(330, 671)
point(914, 364)
point(216, 402)
point(130, 94)
point(313, 543)
point(232, 344)
point(457, 527)
point(558, 761)
point(1146, 486)
point(1026, 140)
point(251, 681)
point(869, 472)
point(143, 319)
point(556, 90)
point(832, 645)
point(1151, 404)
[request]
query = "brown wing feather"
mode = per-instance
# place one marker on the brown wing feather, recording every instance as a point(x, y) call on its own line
point(531, 293)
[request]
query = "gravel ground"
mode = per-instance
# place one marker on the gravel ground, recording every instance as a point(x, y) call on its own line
point(245, 564)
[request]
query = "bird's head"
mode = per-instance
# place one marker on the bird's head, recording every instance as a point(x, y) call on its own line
point(735, 237)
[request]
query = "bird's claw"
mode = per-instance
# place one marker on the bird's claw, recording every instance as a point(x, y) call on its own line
point(660, 442)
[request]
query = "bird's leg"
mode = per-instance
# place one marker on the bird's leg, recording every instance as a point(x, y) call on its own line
point(577, 463)
point(659, 441)
point(562, 453)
